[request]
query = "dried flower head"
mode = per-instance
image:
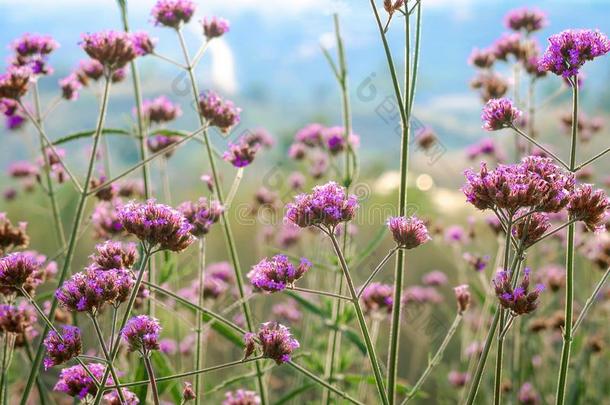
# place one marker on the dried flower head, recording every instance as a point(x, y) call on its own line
point(519, 300)
point(274, 341)
point(482, 58)
point(408, 232)
point(589, 206)
point(259, 137)
point(215, 27)
point(499, 114)
point(277, 273)
point(156, 224)
point(241, 397)
point(327, 205)
point(476, 262)
point(529, 230)
point(173, 13)
point(11, 236)
point(390, 6)
point(112, 49)
point(61, 347)
point(114, 255)
point(159, 142)
point(570, 49)
point(524, 19)
point(76, 382)
point(462, 295)
point(188, 393)
point(17, 319)
point(141, 333)
point(218, 112)
point(201, 214)
point(377, 298)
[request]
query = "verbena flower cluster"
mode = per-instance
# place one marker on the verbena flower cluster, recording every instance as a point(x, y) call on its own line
point(277, 273)
point(141, 333)
point(521, 299)
point(408, 232)
point(62, 346)
point(273, 340)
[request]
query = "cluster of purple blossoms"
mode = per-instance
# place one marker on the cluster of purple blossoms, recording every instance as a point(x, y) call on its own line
point(274, 341)
point(524, 19)
point(143, 43)
point(241, 153)
point(489, 85)
point(218, 112)
point(141, 333)
point(113, 255)
point(76, 382)
point(435, 278)
point(408, 232)
point(173, 13)
point(377, 298)
point(112, 49)
point(463, 298)
point(482, 58)
point(105, 219)
point(91, 69)
point(32, 50)
point(157, 225)
point(259, 137)
point(11, 236)
point(477, 262)
point(89, 290)
point(13, 114)
point(318, 138)
point(327, 205)
point(421, 295)
point(589, 206)
point(529, 230)
point(70, 86)
point(159, 142)
point(535, 182)
point(241, 397)
point(16, 319)
point(277, 273)
point(570, 49)
point(104, 192)
point(499, 113)
point(17, 269)
point(62, 347)
point(160, 110)
point(15, 82)
point(508, 44)
point(201, 214)
point(334, 137)
point(519, 300)
point(113, 398)
point(215, 27)
point(485, 147)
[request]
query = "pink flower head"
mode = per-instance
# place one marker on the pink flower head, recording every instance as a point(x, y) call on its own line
point(70, 86)
point(114, 255)
point(241, 397)
point(277, 273)
point(498, 114)
point(241, 153)
point(76, 382)
point(141, 333)
point(201, 214)
point(143, 43)
point(590, 206)
point(173, 13)
point(160, 110)
point(62, 347)
point(17, 268)
point(215, 27)
point(274, 340)
point(219, 113)
point(113, 49)
point(408, 232)
point(377, 298)
point(524, 19)
point(520, 300)
point(15, 82)
point(434, 278)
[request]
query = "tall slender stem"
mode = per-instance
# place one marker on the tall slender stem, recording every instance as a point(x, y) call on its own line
point(377, 270)
point(151, 377)
point(100, 337)
point(500, 349)
point(199, 352)
point(226, 227)
point(361, 320)
point(567, 331)
point(592, 298)
point(435, 360)
point(320, 381)
point(73, 237)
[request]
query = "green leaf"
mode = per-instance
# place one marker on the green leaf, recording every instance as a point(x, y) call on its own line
point(354, 337)
point(294, 393)
point(140, 390)
point(308, 305)
point(167, 268)
point(86, 134)
point(224, 330)
point(163, 369)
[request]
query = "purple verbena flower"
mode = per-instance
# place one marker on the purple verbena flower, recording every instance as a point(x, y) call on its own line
point(160, 142)
point(113, 398)
point(241, 397)
point(259, 137)
point(519, 300)
point(157, 225)
point(17, 319)
point(462, 296)
point(218, 112)
point(482, 58)
point(377, 298)
point(590, 206)
point(15, 82)
point(241, 153)
point(113, 49)
point(141, 333)
point(114, 255)
point(70, 86)
point(76, 382)
point(499, 113)
point(274, 341)
point(32, 50)
point(277, 273)
point(61, 347)
point(528, 20)
point(143, 43)
point(160, 110)
point(408, 232)
point(421, 295)
point(529, 230)
point(173, 13)
point(215, 27)
point(527, 395)
point(334, 138)
point(508, 44)
point(16, 269)
point(288, 311)
point(310, 135)
point(327, 205)
point(201, 214)
point(570, 49)
point(105, 220)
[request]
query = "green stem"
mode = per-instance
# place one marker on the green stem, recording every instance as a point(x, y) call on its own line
point(538, 144)
point(115, 342)
point(435, 360)
point(567, 331)
point(73, 238)
point(322, 293)
point(198, 352)
point(320, 381)
point(100, 337)
point(42, 392)
point(230, 242)
point(361, 320)
point(591, 300)
point(377, 270)
point(151, 377)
